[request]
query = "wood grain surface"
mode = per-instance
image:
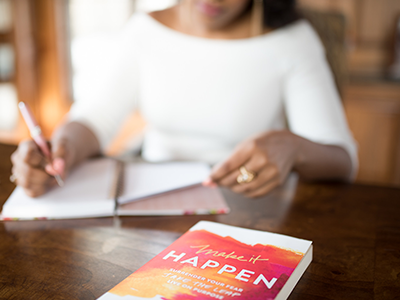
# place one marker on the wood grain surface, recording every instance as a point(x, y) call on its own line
point(355, 230)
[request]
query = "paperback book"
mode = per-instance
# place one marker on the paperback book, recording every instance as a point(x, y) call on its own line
point(216, 261)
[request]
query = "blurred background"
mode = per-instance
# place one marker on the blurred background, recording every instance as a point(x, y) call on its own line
point(49, 47)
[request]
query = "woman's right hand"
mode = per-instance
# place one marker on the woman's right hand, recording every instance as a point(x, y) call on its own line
point(33, 172)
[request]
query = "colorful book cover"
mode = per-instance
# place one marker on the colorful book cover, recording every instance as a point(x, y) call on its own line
point(216, 261)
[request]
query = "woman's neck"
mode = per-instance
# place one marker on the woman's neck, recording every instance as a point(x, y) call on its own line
point(182, 19)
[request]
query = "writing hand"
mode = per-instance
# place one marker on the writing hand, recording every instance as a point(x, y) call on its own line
point(33, 172)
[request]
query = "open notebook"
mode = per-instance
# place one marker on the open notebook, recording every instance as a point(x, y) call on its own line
point(148, 189)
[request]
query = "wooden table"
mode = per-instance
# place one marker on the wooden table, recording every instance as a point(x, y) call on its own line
point(355, 230)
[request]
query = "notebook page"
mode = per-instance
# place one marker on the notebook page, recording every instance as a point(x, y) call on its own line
point(84, 194)
point(144, 179)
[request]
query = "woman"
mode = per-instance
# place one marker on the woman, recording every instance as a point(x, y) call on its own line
point(216, 81)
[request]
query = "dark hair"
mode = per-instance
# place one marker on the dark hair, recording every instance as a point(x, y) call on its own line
point(278, 13)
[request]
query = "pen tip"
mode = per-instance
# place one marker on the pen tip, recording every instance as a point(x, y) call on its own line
point(59, 180)
point(21, 104)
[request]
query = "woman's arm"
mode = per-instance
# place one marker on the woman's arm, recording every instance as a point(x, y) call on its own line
point(316, 119)
point(271, 156)
point(323, 162)
point(107, 96)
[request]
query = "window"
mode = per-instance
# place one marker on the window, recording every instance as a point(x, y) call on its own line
point(8, 94)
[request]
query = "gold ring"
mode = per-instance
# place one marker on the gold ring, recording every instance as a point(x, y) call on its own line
point(13, 178)
point(245, 176)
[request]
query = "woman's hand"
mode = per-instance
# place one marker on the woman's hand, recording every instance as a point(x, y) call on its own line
point(271, 156)
point(71, 144)
point(33, 172)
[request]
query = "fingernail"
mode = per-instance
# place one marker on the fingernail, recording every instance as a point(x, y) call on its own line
point(59, 165)
point(209, 183)
point(50, 170)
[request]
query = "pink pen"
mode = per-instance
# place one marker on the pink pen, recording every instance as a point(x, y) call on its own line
point(36, 134)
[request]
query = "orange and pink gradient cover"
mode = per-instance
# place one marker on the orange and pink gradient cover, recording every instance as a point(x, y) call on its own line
point(215, 263)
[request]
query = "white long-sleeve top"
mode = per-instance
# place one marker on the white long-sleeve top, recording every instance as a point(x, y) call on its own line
point(201, 97)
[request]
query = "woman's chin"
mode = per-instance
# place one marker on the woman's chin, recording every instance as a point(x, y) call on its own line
point(208, 10)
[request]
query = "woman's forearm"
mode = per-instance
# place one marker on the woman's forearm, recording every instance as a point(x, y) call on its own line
point(270, 156)
point(323, 162)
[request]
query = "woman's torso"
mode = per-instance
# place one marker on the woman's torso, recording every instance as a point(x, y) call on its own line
point(201, 97)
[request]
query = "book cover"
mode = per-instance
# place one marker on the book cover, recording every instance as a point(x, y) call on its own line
point(216, 261)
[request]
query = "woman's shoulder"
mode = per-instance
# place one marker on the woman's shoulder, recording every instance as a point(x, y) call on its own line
point(301, 38)
point(137, 20)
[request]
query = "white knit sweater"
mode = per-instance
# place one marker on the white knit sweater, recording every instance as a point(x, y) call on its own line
point(201, 97)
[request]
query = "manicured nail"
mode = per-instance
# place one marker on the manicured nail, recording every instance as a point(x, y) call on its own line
point(50, 170)
point(209, 183)
point(59, 165)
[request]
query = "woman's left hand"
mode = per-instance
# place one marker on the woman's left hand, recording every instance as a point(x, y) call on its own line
point(270, 156)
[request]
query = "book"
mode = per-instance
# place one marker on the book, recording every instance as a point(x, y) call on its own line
point(217, 261)
point(90, 190)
